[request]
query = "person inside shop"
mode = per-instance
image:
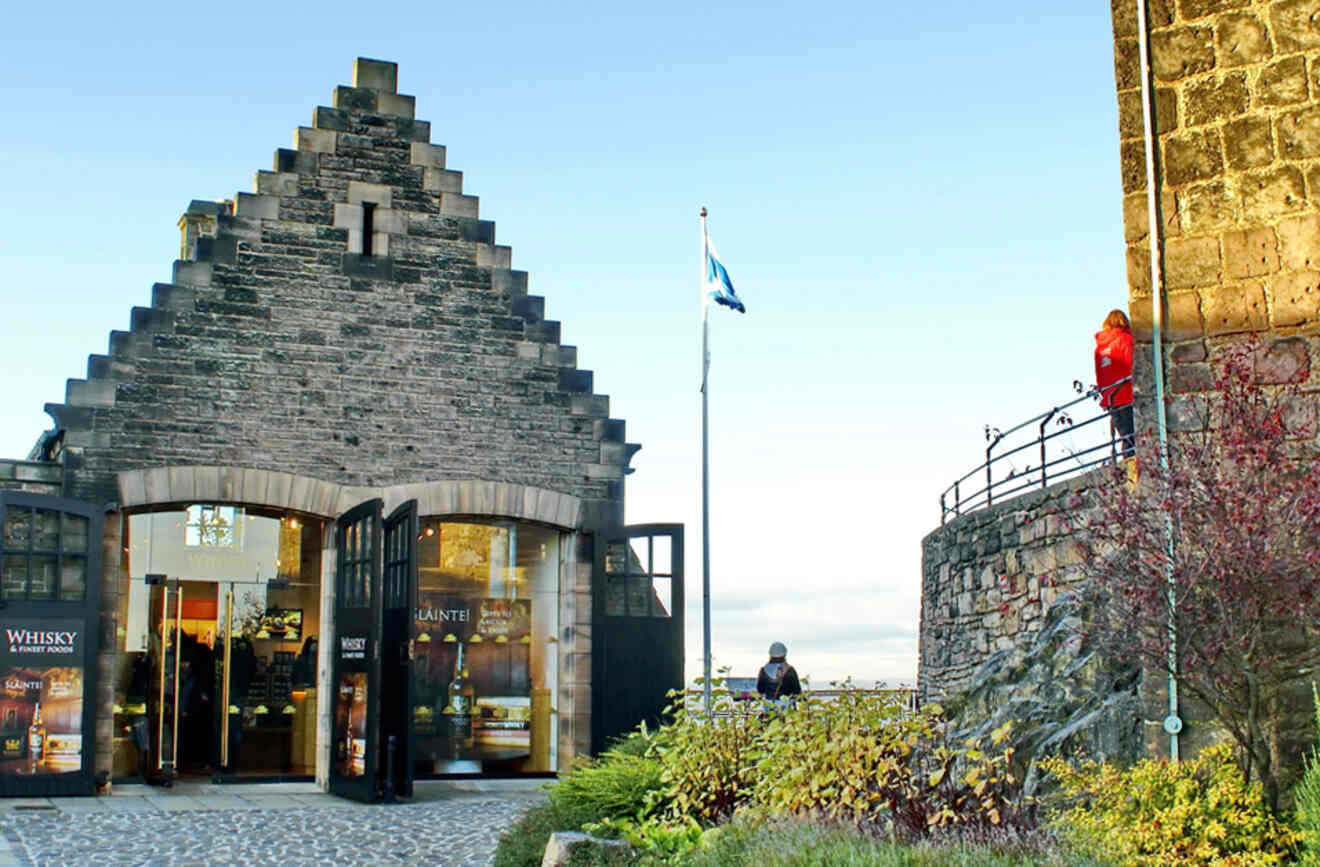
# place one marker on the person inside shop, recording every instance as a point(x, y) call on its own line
point(777, 681)
point(1113, 364)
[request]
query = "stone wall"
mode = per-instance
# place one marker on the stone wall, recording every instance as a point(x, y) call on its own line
point(988, 577)
point(35, 477)
point(1237, 119)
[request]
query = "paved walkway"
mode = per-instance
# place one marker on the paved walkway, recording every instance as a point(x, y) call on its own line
point(278, 824)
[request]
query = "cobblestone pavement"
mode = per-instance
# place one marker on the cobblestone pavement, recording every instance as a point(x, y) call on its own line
point(450, 831)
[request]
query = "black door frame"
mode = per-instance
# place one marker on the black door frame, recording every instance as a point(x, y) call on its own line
point(356, 651)
point(637, 657)
point(398, 603)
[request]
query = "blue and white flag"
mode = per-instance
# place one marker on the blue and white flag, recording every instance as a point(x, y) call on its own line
point(718, 287)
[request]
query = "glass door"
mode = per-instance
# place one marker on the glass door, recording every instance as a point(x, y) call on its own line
point(399, 601)
point(165, 613)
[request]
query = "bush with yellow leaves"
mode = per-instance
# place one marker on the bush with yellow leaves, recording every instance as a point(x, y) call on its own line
point(1158, 813)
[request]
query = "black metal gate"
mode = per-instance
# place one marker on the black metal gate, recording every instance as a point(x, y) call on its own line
point(637, 629)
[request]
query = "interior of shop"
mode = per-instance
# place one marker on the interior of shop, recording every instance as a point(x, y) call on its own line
point(217, 673)
point(485, 663)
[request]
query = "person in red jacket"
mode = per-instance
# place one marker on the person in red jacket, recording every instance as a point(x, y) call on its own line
point(1113, 363)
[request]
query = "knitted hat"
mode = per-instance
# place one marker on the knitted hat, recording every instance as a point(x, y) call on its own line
point(778, 649)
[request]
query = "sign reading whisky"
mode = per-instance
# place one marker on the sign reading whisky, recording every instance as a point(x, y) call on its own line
point(41, 696)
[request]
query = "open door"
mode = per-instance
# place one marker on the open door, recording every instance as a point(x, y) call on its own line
point(637, 631)
point(396, 652)
point(356, 654)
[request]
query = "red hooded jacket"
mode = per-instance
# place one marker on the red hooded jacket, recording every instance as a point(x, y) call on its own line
point(1113, 361)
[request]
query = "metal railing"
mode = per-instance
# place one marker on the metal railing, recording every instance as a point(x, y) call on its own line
point(1000, 477)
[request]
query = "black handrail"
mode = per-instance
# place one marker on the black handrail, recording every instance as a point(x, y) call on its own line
point(1055, 469)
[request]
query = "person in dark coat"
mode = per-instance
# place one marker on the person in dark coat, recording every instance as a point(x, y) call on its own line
point(777, 681)
point(1113, 363)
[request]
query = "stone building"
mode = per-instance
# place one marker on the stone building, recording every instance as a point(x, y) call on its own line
point(344, 461)
point(1235, 117)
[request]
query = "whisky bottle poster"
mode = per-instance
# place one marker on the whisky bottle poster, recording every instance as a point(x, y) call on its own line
point(41, 696)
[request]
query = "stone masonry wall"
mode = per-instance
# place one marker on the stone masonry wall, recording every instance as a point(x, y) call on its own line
point(987, 577)
point(280, 344)
point(1237, 93)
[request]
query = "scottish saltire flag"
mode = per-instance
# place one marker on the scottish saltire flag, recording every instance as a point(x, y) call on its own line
point(719, 288)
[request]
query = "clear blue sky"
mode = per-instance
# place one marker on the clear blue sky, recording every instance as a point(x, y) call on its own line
point(919, 203)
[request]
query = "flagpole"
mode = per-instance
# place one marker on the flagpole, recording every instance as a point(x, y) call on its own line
point(705, 478)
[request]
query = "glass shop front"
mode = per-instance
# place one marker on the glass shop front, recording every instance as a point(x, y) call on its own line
point(220, 611)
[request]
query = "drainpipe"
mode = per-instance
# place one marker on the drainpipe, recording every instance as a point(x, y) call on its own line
point(1155, 236)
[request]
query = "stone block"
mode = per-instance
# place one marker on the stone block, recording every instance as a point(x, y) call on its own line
point(330, 118)
point(457, 205)
point(493, 256)
point(355, 98)
point(1234, 309)
point(1295, 26)
point(1182, 320)
point(1240, 38)
point(1192, 352)
point(321, 141)
point(276, 183)
point(1271, 194)
point(1136, 216)
point(1191, 262)
point(1298, 133)
point(1282, 82)
point(1299, 243)
point(1214, 99)
point(1127, 64)
point(1132, 165)
point(1137, 260)
point(1130, 122)
point(361, 191)
point(1190, 377)
point(1250, 253)
point(257, 207)
point(1282, 361)
point(191, 273)
point(396, 105)
point(1248, 143)
point(1182, 51)
point(1192, 156)
point(425, 154)
point(1206, 207)
point(1193, 9)
point(376, 74)
point(1295, 298)
point(442, 180)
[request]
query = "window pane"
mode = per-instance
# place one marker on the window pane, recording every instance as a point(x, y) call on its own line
point(47, 536)
point(661, 597)
point(660, 555)
point(13, 585)
point(75, 533)
point(42, 583)
point(73, 578)
point(18, 527)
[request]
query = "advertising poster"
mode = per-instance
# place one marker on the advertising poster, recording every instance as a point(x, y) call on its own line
point(41, 696)
point(472, 678)
point(351, 708)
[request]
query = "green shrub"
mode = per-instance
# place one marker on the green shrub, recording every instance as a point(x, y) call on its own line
point(707, 764)
point(1306, 797)
point(523, 844)
point(1158, 813)
point(864, 759)
point(616, 785)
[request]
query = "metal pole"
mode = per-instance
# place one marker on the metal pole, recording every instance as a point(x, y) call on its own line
point(705, 481)
point(1172, 723)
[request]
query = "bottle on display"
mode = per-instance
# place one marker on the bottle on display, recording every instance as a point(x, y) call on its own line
point(462, 702)
point(346, 750)
point(36, 736)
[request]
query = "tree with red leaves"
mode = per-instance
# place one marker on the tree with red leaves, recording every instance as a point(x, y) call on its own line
point(1223, 545)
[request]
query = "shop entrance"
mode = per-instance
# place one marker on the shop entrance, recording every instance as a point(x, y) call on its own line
point(217, 675)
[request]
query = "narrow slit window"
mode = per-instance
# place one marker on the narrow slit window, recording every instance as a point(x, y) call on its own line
point(368, 226)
